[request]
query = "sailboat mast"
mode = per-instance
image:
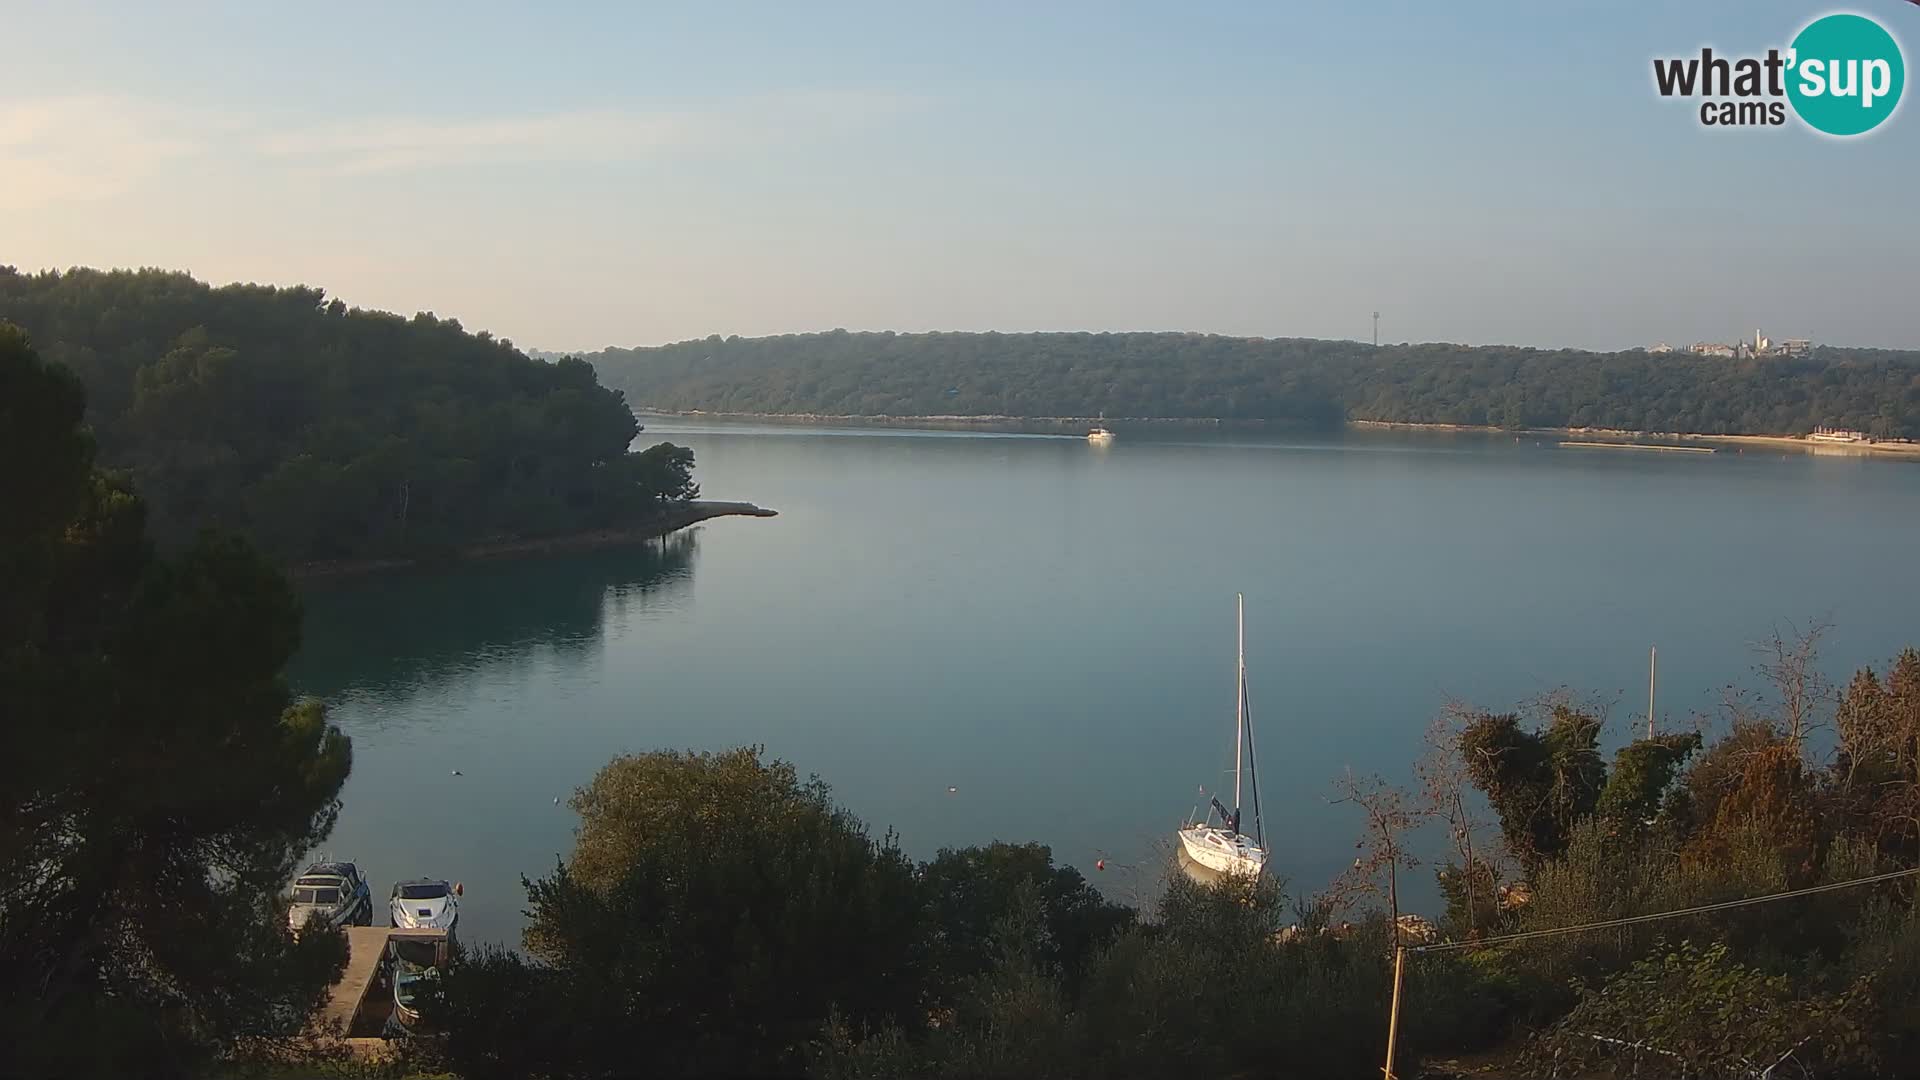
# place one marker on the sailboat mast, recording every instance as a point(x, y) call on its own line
point(1653, 654)
point(1239, 694)
point(1253, 764)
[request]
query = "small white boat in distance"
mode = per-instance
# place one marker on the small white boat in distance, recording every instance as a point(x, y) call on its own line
point(1223, 848)
point(1100, 435)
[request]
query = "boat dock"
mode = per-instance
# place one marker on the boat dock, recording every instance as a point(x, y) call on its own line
point(365, 946)
point(353, 1011)
point(1580, 445)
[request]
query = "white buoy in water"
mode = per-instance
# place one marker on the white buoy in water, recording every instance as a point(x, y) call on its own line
point(456, 772)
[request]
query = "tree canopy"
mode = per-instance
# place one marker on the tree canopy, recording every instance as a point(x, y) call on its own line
point(721, 916)
point(328, 432)
point(716, 910)
point(157, 783)
point(1296, 381)
point(1678, 821)
point(970, 890)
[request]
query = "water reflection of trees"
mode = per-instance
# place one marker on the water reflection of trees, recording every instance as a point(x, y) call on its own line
point(391, 633)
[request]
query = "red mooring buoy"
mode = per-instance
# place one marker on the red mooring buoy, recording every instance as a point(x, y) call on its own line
point(1099, 864)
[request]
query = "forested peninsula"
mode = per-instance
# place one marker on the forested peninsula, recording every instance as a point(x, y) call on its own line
point(336, 435)
point(1287, 381)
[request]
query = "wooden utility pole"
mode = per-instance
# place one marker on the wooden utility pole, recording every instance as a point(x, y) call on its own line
point(1393, 1018)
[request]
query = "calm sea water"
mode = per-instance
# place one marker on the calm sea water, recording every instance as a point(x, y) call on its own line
point(1046, 628)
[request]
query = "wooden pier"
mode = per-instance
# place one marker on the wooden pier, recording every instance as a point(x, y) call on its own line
point(354, 1012)
point(366, 945)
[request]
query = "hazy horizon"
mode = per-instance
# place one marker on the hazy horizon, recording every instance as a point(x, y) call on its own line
point(610, 177)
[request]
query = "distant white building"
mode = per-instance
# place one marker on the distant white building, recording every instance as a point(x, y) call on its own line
point(1827, 434)
point(1757, 346)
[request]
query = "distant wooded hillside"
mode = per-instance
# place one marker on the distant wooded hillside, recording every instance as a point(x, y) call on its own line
point(1288, 380)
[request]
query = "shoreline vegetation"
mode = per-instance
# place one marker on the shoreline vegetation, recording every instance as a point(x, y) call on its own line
point(1068, 423)
point(681, 516)
point(1297, 382)
point(337, 437)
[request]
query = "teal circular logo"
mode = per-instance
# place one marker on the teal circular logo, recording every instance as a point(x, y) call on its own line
point(1845, 74)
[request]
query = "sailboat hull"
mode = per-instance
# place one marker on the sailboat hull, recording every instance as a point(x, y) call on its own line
point(1223, 852)
point(1228, 851)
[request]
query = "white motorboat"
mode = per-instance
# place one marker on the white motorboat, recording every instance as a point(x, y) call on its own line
point(335, 892)
point(424, 904)
point(1223, 848)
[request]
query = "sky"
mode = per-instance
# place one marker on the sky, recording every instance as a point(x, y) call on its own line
point(573, 176)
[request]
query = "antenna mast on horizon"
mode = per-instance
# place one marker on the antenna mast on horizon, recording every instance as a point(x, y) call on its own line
point(1376, 329)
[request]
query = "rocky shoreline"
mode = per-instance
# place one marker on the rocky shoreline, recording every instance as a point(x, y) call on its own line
point(673, 519)
point(1794, 442)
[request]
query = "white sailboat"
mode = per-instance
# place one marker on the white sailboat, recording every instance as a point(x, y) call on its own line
point(1223, 848)
point(1100, 434)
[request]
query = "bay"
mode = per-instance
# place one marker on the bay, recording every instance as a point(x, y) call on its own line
point(977, 636)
